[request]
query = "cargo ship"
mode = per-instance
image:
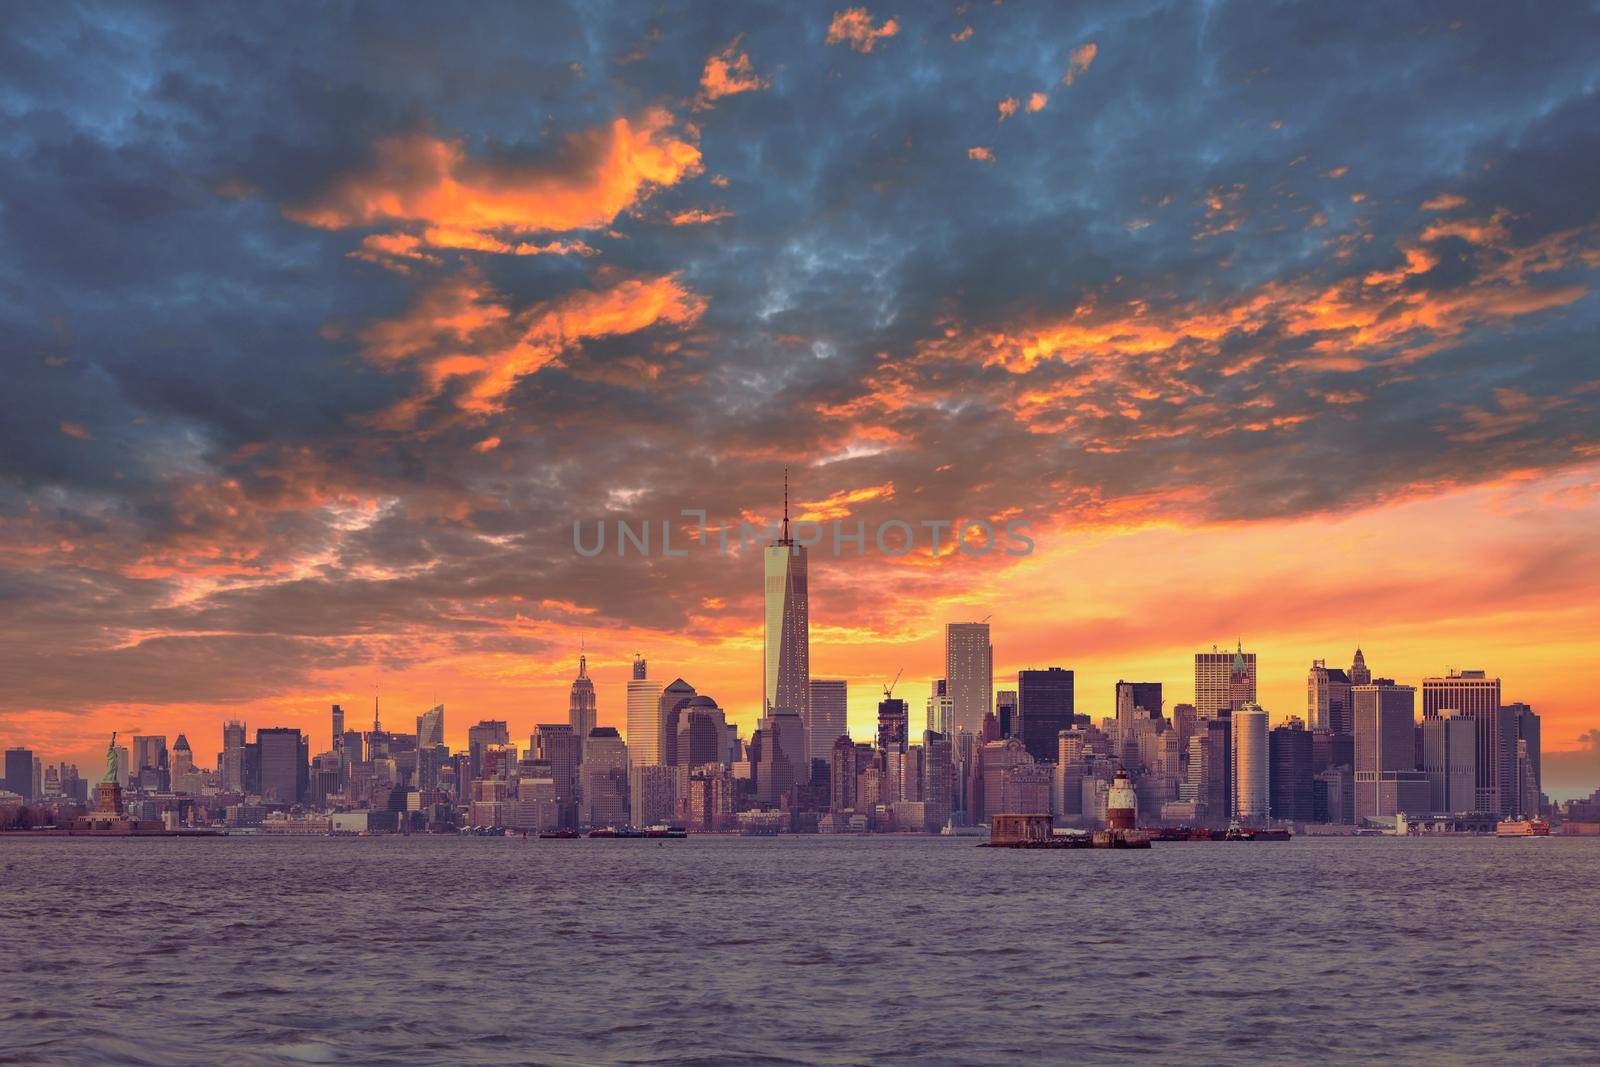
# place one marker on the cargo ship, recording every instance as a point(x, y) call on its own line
point(1522, 828)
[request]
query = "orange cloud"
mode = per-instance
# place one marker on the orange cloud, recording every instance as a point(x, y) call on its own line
point(854, 26)
point(981, 153)
point(728, 72)
point(1037, 101)
point(471, 203)
point(73, 429)
point(962, 35)
point(1444, 202)
point(1008, 107)
point(698, 216)
point(839, 504)
point(1078, 61)
point(462, 330)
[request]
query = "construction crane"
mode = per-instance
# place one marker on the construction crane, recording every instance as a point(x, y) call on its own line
point(888, 690)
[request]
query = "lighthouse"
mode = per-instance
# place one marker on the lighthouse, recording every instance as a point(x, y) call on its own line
point(1121, 803)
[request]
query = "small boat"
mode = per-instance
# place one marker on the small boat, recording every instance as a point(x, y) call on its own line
point(1522, 828)
point(663, 830)
point(1238, 833)
point(558, 835)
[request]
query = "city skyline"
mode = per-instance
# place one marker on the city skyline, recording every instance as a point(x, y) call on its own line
point(315, 359)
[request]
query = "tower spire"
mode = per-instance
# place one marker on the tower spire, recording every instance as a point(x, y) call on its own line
point(786, 505)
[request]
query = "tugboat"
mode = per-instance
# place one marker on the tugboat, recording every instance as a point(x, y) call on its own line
point(1522, 828)
point(1238, 833)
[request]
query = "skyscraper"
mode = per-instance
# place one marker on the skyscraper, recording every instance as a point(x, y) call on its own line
point(19, 772)
point(1250, 762)
point(1139, 696)
point(969, 673)
point(581, 704)
point(556, 745)
point(605, 778)
point(1289, 776)
point(830, 716)
point(645, 738)
point(1005, 711)
point(1477, 696)
point(338, 728)
point(1386, 777)
point(233, 757)
point(480, 737)
point(430, 727)
point(1519, 726)
point(1450, 760)
point(893, 729)
point(285, 765)
point(786, 639)
point(1223, 680)
point(1044, 708)
point(668, 715)
point(1328, 698)
point(1359, 674)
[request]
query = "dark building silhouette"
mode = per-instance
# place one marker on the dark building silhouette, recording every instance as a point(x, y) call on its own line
point(1289, 772)
point(1045, 708)
point(285, 764)
point(19, 772)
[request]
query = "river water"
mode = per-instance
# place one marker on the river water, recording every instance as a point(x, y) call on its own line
point(795, 951)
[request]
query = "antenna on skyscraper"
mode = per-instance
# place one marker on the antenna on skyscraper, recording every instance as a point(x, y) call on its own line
point(786, 503)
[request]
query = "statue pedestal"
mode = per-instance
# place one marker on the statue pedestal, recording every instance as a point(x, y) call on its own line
point(108, 799)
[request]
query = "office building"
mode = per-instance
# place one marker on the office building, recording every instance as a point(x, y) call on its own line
point(647, 741)
point(283, 756)
point(1477, 697)
point(19, 773)
point(830, 716)
point(893, 724)
point(1450, 760)
point(337, 727)
point(969, 673)
point(940, 715)
point(581, 707)
point(1328, 698)
point(1289, 776)
point(1137, 697)
point(604, 775)
point(1044, 708)
point(1519, 732)
point(661, 731)
point(1223, 681)
point(1250, 764)
point(1387, 781)
point(1358, 673)
point(1005, 711)
point(487, 732)
point(651, 796)
point(555, 745)
point(786, 635)
point(938, 780)
point(430, 727)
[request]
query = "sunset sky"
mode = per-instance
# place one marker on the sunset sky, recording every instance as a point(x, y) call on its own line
point(321, 326)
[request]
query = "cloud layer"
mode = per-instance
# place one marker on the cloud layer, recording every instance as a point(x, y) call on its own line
point(314, 353)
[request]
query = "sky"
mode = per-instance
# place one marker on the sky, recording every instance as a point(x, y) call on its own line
point(322, 326)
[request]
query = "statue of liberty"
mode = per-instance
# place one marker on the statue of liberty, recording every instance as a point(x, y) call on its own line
point(111, 759)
